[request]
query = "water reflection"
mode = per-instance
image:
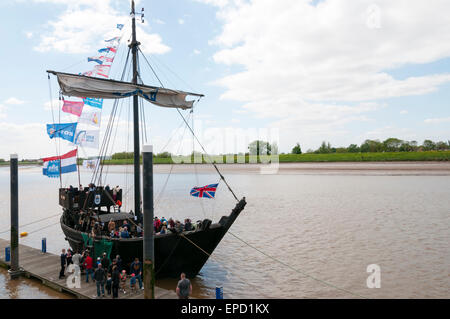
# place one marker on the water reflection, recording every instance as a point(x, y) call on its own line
point(331, 226)
point(23, 288)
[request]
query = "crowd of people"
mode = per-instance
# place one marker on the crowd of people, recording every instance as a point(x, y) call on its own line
point(108, 275)
point(164, 226)
point(111, 276)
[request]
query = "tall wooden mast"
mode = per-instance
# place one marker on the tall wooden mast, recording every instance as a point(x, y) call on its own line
point(137, 168)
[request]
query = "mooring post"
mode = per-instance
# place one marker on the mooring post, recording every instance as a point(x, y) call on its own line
point(149, 253)
point(14, 242)
point(44, 245)
point(219, 292)
point(8, 254)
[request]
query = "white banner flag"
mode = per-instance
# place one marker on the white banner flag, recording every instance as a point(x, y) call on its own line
point(91, 164)
point(91, 118)
point(87, 138)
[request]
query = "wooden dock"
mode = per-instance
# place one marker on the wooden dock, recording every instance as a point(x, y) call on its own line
point(45, 267)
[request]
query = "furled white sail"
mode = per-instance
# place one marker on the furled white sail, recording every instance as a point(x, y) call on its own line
point(85, 86)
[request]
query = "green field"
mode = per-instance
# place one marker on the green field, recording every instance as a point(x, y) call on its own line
point(302, 158)
point(332, 157)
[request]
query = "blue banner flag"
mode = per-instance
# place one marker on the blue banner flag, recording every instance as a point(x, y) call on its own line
point(95, 60)
point(51, 168)
point(66, 131)
point(120, 26)
point(56, 165)
point(98, 103)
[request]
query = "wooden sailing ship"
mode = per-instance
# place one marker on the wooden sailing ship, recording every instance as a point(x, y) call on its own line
point(175, 251)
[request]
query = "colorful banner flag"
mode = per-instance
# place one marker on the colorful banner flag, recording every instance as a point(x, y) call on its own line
point(113, 39)
point(66, 131)
point(91, 118)
point(101, 59)
point(88, 73)
point(208, 191)
point(108, 49)
point(91, 164)
point(94, 59)
point(87, 138)
point(98, 103)
point(63, 164)
point(102, 70)
point(73, 107)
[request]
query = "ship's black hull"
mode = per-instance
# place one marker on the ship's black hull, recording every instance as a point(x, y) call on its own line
point(174, 253)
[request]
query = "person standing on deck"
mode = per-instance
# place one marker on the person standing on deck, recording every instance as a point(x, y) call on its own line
point(105, 262)
point(184, 287)
point(119, 262)
point(136, 269)
point(88, 267)
point(100, 278)
point(115, 282)
point(115, 191)
point(111, 226)
point(69, 257)
point(63, 263)
point(76, 258)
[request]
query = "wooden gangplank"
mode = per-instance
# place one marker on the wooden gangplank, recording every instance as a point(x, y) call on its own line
point(46, 266)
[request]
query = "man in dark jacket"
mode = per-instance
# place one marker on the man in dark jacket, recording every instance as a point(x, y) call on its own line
point(63, 263)
point(115, 282)
point(100, 279)
point(119, 263)
point(105, 262)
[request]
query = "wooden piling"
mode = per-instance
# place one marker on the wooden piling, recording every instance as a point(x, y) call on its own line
point(148, 240)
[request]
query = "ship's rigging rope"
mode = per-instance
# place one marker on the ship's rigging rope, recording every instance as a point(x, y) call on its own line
point(159, 196)
point(280, 262)
point(227, 268)
point(97, 174)
point(53, 118)
point(193, 134)
point(34, 222)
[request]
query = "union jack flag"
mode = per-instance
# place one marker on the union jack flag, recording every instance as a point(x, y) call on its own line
point(208, 191)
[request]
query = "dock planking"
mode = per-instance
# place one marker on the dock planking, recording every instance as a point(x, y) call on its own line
point(46, 266)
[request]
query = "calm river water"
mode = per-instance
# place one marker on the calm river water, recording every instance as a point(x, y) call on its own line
point(327, 222)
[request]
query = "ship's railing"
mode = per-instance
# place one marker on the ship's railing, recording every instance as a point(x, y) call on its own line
point(73, 198)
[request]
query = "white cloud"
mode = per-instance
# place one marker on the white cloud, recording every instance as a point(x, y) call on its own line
point(28, 141)
point(307, 65)
point(197, 52)
point(84, 25)
point(14, 101)
point(180, 21)
point(403, 112)
point(438, 121)
point(54, 104)
point(2, 112)
point(29, 35)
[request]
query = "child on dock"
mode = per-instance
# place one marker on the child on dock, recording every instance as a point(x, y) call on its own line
point(123, 280)
point(133, 284)
point(109, 284)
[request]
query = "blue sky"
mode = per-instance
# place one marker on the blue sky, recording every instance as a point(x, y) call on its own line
point(331, 70)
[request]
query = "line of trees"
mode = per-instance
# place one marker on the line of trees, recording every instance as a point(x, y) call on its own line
point(375, 146)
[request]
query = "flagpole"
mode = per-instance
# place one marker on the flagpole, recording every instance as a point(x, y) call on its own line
point(78, 166)
point(137, 168)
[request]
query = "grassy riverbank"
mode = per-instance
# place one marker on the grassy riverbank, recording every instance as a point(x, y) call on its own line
point(21, 163)
point(295, 158)
point(332, 157)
